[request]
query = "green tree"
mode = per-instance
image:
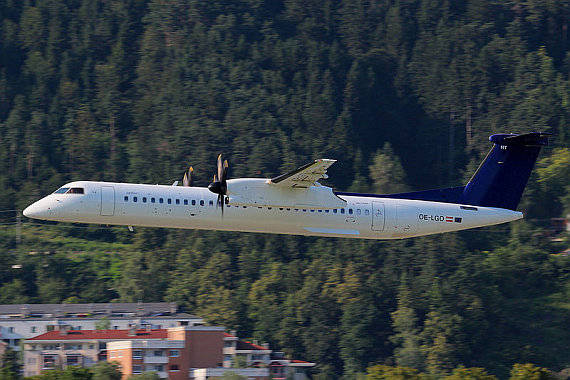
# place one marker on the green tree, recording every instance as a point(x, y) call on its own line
point(407, 332)
point(462, 373)
point(103, 324)
point(106, 371)
point(529, 371)
point(10, 366)
point(151, 375)
point(384, 372)
point(387, 172)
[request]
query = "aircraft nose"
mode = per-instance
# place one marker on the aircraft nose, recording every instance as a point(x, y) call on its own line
point(37, 210)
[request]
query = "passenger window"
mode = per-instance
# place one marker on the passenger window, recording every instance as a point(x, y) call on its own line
point(334, 211)
point(350, 211)
point(185, 202)
point(211, 203)
point(312, 210)
point(135, 199)
point(178, 201)
point(358, 212)
point(193, 202)
point(160, 200)
point(202, 202)
point(366, 212)
point(327, 211)
point(320, 210)
point(304, 210)
point(152, 200)
point(144, 199)
point(126, 198)
point(169, 201)
point(281, 208)
point(342, 211)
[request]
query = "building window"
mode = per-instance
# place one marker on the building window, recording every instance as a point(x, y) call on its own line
point(174, 353)
point(157, 353)
point(72, 360)
point(33, 329)
point(137, 354)
point(137, 368)
point(48, 361)
point(174, 367)
point(10, 329)
point(227, 358)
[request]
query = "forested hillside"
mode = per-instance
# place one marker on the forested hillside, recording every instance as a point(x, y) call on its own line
point(404, 93)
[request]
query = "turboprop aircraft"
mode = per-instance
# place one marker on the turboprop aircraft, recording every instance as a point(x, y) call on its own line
point(296, 203)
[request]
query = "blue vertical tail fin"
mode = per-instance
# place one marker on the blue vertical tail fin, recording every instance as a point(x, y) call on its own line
point(501, 178)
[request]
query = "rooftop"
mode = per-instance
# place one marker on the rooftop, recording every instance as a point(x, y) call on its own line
point(101, 335)
point(93, 310)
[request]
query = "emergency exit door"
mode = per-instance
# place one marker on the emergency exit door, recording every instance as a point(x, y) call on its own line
point(378, 216)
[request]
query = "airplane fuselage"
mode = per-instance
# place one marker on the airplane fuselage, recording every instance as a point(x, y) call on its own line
point(365, 217)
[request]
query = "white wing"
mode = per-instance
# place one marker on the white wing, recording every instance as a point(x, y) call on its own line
point(305, 176)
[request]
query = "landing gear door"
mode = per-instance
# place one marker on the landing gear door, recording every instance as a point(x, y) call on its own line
point(107, 201)
point(378, 216)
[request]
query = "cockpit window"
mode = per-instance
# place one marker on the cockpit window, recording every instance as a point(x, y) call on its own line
point(72, 190)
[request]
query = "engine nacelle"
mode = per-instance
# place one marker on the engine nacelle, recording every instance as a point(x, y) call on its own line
point(261, 192)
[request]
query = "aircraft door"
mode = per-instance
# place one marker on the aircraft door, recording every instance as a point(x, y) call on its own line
point(107, 201)
point(378, 216)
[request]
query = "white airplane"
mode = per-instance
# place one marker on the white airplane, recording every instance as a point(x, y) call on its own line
point(296, 203)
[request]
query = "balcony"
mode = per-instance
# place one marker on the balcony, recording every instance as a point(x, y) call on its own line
point(155, 359)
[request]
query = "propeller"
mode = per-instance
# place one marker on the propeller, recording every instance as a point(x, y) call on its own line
point(188, 180)
point(219, 185)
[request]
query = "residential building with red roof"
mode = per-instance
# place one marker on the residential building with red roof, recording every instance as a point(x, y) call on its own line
point(261, 356)
point(184, 352)
point(64, 348)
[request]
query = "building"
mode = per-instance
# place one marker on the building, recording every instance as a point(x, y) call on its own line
point(184, 348)
point(62, 348)
point(183, 352)
point(261, 356)
point(24, 321)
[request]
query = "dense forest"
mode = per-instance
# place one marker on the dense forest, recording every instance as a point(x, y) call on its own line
point(404, 93)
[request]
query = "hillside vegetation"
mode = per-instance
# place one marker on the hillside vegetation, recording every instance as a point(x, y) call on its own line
point(404, 93)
